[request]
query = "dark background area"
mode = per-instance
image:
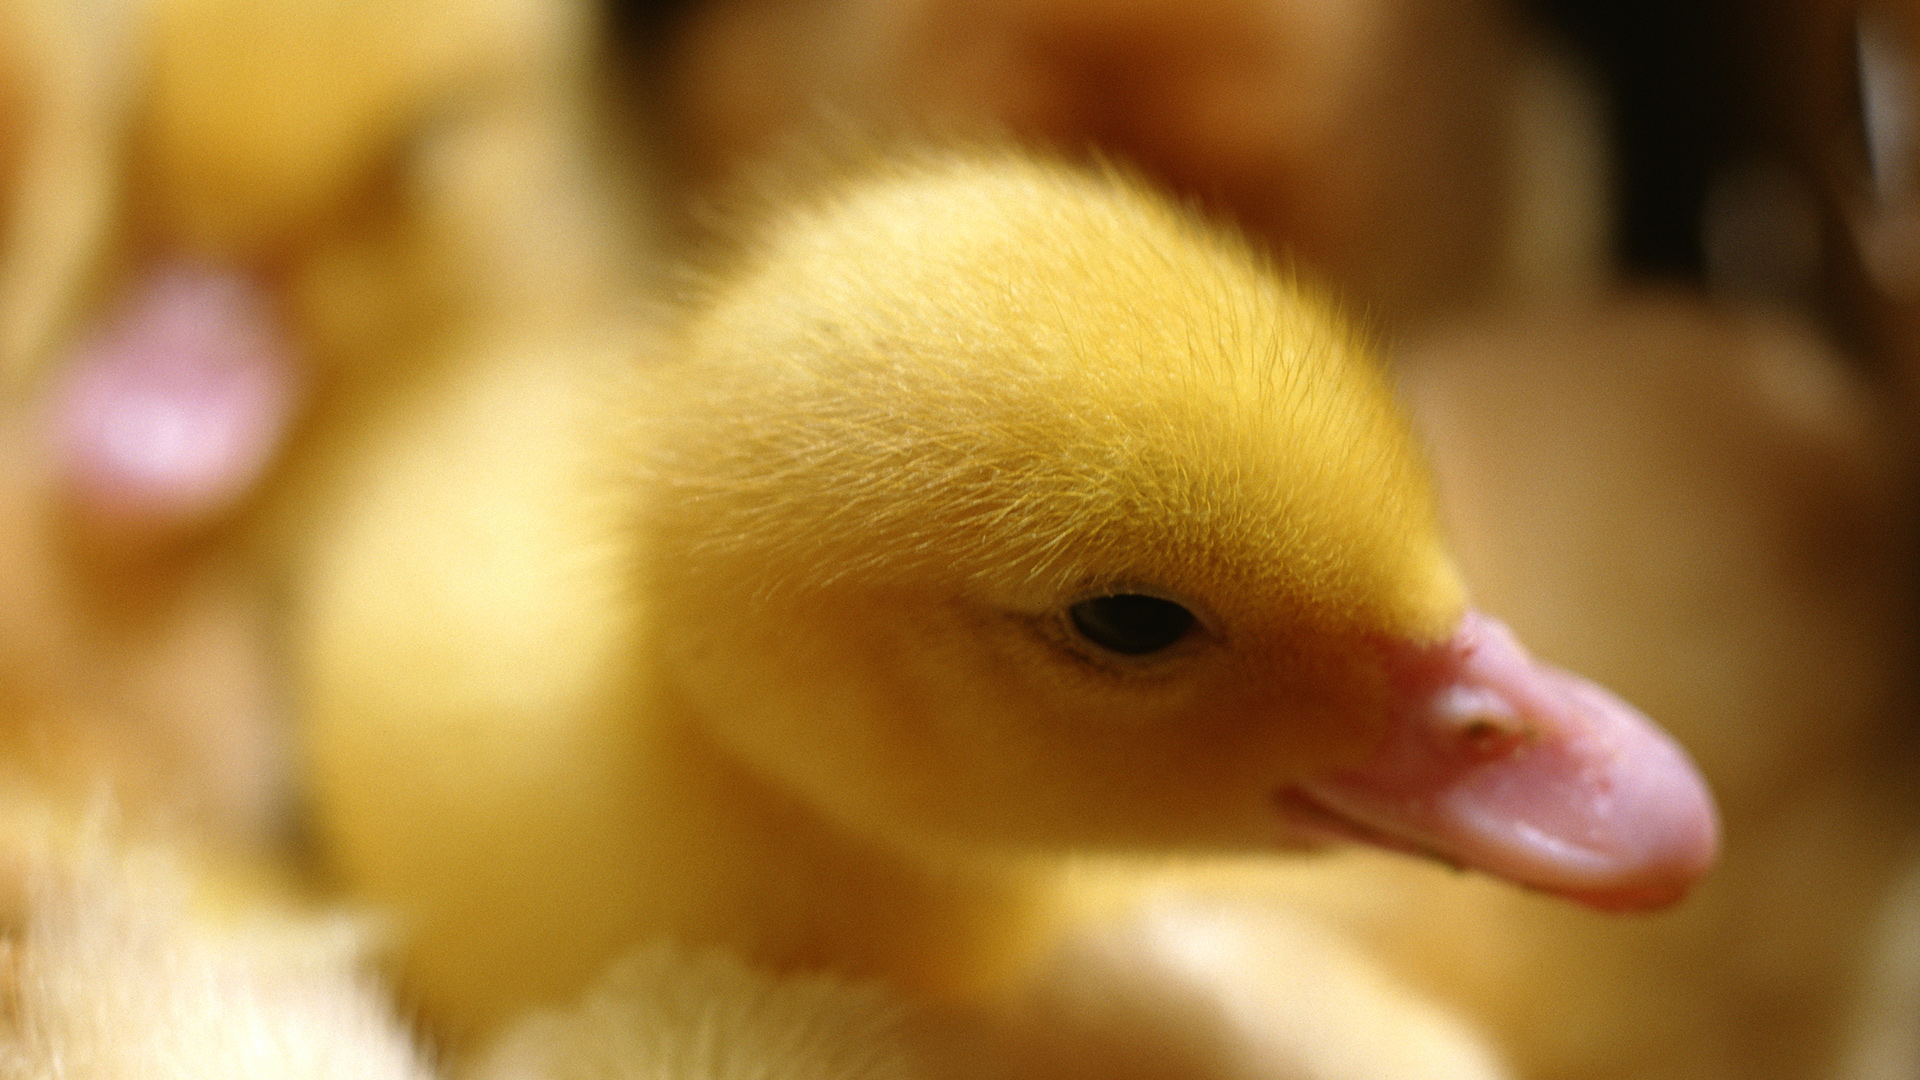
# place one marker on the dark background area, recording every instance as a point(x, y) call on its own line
point(1688, 88)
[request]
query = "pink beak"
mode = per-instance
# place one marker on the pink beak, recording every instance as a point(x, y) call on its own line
point(1496, 761)
point(168, 414)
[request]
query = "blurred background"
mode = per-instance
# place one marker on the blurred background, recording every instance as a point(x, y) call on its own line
point(1757, 151)
point(1649, 274)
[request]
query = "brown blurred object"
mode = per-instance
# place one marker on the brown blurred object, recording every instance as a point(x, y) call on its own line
point(1839, 105)
point(1844, 108)
point(1367, 137)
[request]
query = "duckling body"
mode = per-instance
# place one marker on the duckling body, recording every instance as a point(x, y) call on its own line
point(984, 515)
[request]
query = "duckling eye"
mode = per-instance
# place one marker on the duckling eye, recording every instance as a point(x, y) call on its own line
point(1131, 624)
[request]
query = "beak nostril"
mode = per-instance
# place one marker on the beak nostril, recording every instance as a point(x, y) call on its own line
point(1481, 722)
point(1490, 737)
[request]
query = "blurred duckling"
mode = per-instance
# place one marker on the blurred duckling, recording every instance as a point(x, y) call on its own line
point(235, 240)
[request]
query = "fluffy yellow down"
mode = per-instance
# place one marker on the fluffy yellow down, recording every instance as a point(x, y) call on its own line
point(761, 644)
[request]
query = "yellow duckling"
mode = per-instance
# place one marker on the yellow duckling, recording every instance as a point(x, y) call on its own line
point(990, 516)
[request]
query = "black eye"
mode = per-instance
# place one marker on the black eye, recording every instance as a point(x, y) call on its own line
point(1131, 624)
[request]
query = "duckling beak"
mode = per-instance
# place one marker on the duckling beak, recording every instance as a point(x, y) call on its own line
point(1495, 761)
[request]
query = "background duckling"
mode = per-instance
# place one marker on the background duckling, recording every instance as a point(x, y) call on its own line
point(1193, 985)
point(225, 273)
point(991, 513)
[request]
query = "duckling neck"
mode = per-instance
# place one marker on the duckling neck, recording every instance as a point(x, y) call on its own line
point(751, 866)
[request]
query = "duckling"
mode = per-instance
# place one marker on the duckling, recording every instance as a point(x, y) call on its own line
point(984, 517)
point(208, 245)
point(220, 275)
point(290, 246)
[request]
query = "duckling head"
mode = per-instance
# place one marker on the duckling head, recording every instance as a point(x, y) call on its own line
point(1004, 505)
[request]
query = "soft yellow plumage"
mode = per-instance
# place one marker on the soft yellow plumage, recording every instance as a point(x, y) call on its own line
point(808, 673)
point(1015, 371)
